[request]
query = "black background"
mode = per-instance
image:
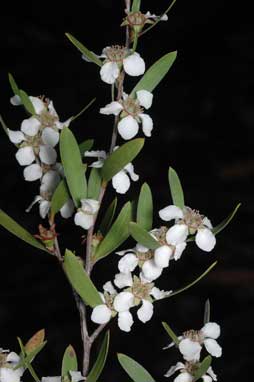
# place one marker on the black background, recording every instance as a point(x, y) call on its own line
point(203, 116)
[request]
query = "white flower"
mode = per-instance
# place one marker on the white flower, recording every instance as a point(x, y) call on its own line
point(190, 349)
point(102, 313)
point(7, 368)
point(132, 114)
point(134, 65)
point(85, 215)
point(150, 271)
point(189, 221)
point(186, 375)
point(211, 331)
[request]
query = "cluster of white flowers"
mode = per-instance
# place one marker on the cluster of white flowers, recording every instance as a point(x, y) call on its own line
point(8, 363)
point(190, 346)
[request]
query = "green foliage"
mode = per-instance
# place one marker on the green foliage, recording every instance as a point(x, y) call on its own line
point(137, 372)
point(145, 208)
point(142, 236)
point(175, 188)
point(86, 146)
point(204, 366)
point(207, 312)
point(100, 361)
point(60, 197)
point(226, 221)
point(26, 102)
point(69, 363)
point(135, 5)
point(87, 53)
point(171, 333)
point(108, 217)
point(94, 184)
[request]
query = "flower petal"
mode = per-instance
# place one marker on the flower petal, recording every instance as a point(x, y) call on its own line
point(123, 280)
point(205, 239)
point(211, 373)
point(25, 155)
point(159, 294)
point(207, 222)
point(123, 301)
point(67, 210)
point(32, 172)
point(190, 349)
point(162, 255)
point(101, 314)
point(44, 208)
point(145, 313)
point(109, 72)
point(83, 220)
point(211, 330)
point(213, 347)
point(171, 212)
point(38, 104)
point(130, 170)
point(150, 270)
point(128, 127)
point(16, 136)
point(184, 377)
point(121, 182)
point(76, 376)
point(128, 263)
point(147, 124)
point(125, 321)
point(47, 154)
point(206, 378)
point(50, 136)
point(91, 206)
point(16, 100)
point(30, 126)
point(109, 287)
point(134, 65)
point(179, 248)
point(112, 108)
point(50, 180)
point(173, 369)
point(177, 234)
point(145, 98)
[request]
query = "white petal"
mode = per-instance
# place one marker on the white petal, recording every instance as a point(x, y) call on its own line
point(207, 222)
point(50, 136)
point(205, 239)
point(184, 377)
point(67, 210)
point(150, 270)
point(125, 321)
point(38, 104)
point(128, 127)
point(112, 108)
point(37, 199)
point(109, 72)
point(145, 98)
point(83, 220)
point(206, 378)
point(91, 206)
point(101, 314)
point(76, 376)
point(52, 110)
point(171, 212)
point(177, 234)
point(162, 255)
point(179, 248)
point(32, 172)
point(173, 369)
point(16, 100)
point(123, 301)
point(25, 155)
point(213, 347)
point(122, 253)
point(159, 294)
point(100, 154)
point(108, 287)
point(128, 263)
point(190, 349)
point(123, 280)
point(13, 357)
point(211, 373)
point(134, 65)
point(30, 126)
point(145, 313)
point(44, 208)
point(130, 170)
point(97, 164)
point(121, 182)
point(147, 124)
point(16, 136)
point(51, 379)
point(47, 154)
point(211, 330)
point(141, 248)
point(50, 180)
point(10, 375)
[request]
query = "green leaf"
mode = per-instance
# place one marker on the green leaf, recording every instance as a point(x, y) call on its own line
point(108, 217)
point(117, 234)
point(86, 146)
point(121, 157)
point(5, 128)
point(204, 365)
point(69, 363)
point(26, 102)
point(90, 55)
point(73, 166)
point(175, 188)
point(26, 361)
point(171, 334)
point(207, 312)
point(137, 372)
point(226, 221)
point(193, 282)
point(29, 357)
point(100, 361)
point(142, 236)
point(8, 223)
point(136, 5)
point(145, 208)
point(60, 197)
point(13, 84)
point(155, 73)
point(79, 279)
point(36, 340)
point(94, 184)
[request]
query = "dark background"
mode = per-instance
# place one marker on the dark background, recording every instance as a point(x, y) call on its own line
point(203, 113)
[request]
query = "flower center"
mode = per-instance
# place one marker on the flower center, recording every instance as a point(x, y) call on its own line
point(141, 291)
point(132, 107)
point(136, 19)
point(193, 219)
point(191, 367)
point(116, 53)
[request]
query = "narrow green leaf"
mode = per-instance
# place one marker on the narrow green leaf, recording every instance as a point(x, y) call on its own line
point(171, 333)
point(87, 53)
point(29, 357)
point(26, 361)
point(94, 184)
point(59, 198)
point(145, 208)
point(108, 217)
point(79, 279)
point(13, 84)
point(83, 110)
point(204, 366)
point(117, 234)
point(175, 188)
point(193, 282)
point(4, 126)
point(8, 223)
point(142, 236)
point(85, 146)
point(100, 361)
point(137, 372)
point(26, 102)
point(73, 166)
point(121, 157)
point(226, 221)
point(155, 73)
point(207, 312)
point(136, 5)
point(69, 362)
